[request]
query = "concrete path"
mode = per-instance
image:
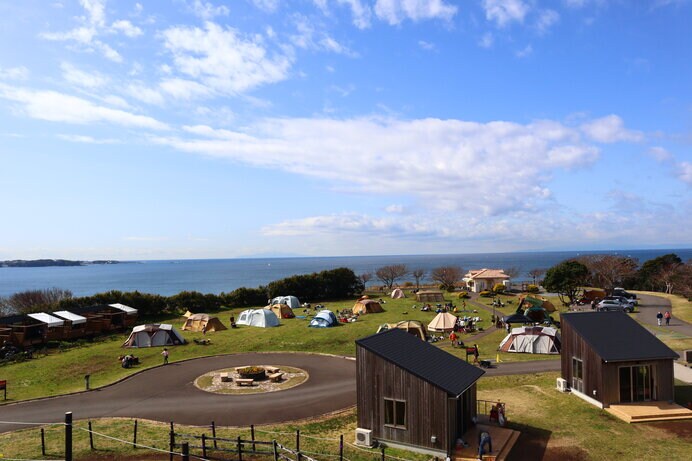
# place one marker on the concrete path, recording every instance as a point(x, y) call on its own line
point(682, 373)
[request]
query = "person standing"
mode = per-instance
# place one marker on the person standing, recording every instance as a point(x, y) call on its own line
point(476, 353)
point(453, 338)
point(659, 318)
point(165, 356)
point(667, 317)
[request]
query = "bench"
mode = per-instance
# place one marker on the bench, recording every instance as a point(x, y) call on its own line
point(245, 381)
point(275, 377)
point(272, 369)
point(225, 377)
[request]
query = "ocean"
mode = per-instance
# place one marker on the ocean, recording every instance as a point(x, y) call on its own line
point(168, 277)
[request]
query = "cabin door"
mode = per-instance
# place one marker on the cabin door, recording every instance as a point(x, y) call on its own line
point(636, 384)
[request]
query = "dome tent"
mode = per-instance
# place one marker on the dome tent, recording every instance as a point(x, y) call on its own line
point(263, 318)
point(367, 306)
point(398, 293)
point(324, 319)
point(154, 334)
point(532, 340)
point(290, 301)
point(413, 327)
point(281, 310)
point(203, 322)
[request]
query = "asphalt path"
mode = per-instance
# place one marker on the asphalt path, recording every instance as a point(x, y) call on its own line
point(650, 305)
point(167, 393)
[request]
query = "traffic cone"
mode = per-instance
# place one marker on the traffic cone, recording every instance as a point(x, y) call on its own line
point(497, 358)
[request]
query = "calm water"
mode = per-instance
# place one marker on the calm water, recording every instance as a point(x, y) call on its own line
point(217, 275)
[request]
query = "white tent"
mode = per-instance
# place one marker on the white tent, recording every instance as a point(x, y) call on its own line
point(444, 321)
point(48, 319)
point(154, 335)
point(532, 340)
point(291, 301)
point(263, 318)
point(74, 318)
point(127, 309)
point(398, 293)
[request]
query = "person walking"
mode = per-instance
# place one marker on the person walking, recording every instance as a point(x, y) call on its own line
point(165, 356)
point(659, 318)
point(476, 353)
point(667, 317)
point(483, 440)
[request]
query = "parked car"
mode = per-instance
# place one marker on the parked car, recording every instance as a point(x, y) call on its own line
point(614, 305)
point(622, 300)
point(621, 292)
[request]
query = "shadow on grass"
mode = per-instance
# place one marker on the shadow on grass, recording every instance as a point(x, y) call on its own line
point(683, 394)
point(533, 444)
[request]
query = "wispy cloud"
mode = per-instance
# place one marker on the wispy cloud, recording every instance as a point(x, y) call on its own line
point(610, 129)
point(82, 139)
point(504, 12)
point(396, 11)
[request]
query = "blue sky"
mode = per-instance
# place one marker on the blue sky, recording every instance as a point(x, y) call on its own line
point(210, 129)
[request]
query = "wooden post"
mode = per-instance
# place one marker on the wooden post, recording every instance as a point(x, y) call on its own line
point(43, 442)
point(171, 443)
point(252, 436)
point(134, 438)
point(298, 444)
point(382, 453)
point(341, 447)
point(276, 452)
point(240, 450)
point(204, 445)
point(186, 451)
point(213, 434)
point(68, 436)
point(91, 437)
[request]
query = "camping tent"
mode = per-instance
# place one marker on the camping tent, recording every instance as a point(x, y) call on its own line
point(203, 322)
point(527, 301)
point(444, 321)
point(413, 327)
point(290, 301)
point(263, 318)
point(398, 293)
point(154, 335)
point(188, 313)
point(324, 319)
point(367, 306)
point(281, 310)
point(430, 297)
point(532, 340)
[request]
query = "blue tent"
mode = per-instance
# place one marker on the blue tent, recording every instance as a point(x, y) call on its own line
point(324, 319)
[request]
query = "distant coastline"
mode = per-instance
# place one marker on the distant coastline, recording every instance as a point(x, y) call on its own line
point(52, 263)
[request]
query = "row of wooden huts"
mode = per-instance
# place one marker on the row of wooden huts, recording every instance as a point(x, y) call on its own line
point(26, 330)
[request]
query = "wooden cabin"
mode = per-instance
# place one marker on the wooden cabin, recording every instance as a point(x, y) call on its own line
point(75, 325)
point(101, 318)
point(130, 318)
point(56, 329)
point(412, 394)
point(22, 331)
point(608, 358)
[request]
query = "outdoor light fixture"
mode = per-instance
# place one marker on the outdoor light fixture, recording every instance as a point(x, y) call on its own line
point(433, 439)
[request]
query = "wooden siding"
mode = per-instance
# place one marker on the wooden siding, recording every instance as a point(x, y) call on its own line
point(663, 379)
point(428, 409)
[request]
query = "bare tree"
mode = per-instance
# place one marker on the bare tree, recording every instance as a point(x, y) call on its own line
point(447, 276)
point(365, 277)
point(608, 271)
point(536, 274)
point(513, 272)
point(672, 276)
point(29, 301)
point(388, 275)
point(418, 274)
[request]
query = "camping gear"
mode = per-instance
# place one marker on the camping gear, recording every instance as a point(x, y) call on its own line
point(430, 297)
point(413, 327)
point(323, 319)
point(281, 310)
point(367, 306)
point(204, 323)
point(290, 301)
point(398, 293)
point(263, 318)
point(532, 340)
point(444, 321)
point(154, 334)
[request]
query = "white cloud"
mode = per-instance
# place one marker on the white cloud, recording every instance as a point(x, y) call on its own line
point(574, 3)
point(143, 93)
point(546, 19)
point(207, 10)
point(14, 73)
point(659, 153)
point(524, 52)
point(308, 38)
point(684, 170)
point(95, 10)
point(82, 79)
point(266, 5)
point(610, 129)
point(86, 139)
point(394, 208)
point(505, 11)
point(222, 59)
point(426, 45)
point(184, 89)
point(487, 40)
point(396, 11)
point(446, 163)
point(361, 13)
point(127, 28)
point(58, 107)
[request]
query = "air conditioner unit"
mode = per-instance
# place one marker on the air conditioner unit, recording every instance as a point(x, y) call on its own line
point(562, 385)
point(364, 437)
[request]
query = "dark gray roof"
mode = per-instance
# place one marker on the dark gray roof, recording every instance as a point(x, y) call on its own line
point(616, 337)
point(424, 360)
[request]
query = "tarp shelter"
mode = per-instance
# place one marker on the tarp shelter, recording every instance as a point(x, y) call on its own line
point(413, 327)
point(324, 319)
point(516, 318)
point(203, 322)
point(74, 318)
point(444, 321)
point(126, 309)
point(398, 293)
point(430, 297)
point(154, 334)
point(527, 301)
point(532, 340)
point(281, 310)
point(263, 318)
point(48, 319)
point(367, 306)
point(290, 301)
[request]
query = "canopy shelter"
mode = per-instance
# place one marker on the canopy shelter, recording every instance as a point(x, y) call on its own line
point(281, 310)
point(430, 297)
point(154, 334)
point(203, 322)
point(443, 322)
point(126, 309)
point(22, 330)
point(290, 301)
point(367, 306)
point(398, 293)
point(413, 327)
point(263, 318)
point(50, 320)
point(69, 316)
point(532, 340)
point(324, 319)
point(75, 325)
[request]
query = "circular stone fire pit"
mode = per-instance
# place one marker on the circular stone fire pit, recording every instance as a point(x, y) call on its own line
point(256, 373)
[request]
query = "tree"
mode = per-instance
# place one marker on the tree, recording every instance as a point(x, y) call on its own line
point(26, 302)
point(447, 276)
point(608, 271)
point(645, 277)
point(513, 272)
point(536, 274)
point(365, 277)
point(566, 279)
point(418, 274)
point(388, 275)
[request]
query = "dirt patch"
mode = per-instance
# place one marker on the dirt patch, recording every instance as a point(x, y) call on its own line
point(565, 454)
point(533, 444)
point(682, 429)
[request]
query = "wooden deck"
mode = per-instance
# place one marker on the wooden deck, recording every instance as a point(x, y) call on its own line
point(503, 440)
point(649, 411)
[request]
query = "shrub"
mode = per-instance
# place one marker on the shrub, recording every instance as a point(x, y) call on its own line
point(244, 297)
point(486, 293)
point(408, 284)
point(499, 288)
point(464, 295)
point(532, 288)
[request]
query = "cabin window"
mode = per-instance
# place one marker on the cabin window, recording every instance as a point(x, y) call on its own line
point(577, 375)
point(395, 413)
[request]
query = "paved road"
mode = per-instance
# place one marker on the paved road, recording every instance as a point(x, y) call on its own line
point(650, 305)
point(167, 393)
